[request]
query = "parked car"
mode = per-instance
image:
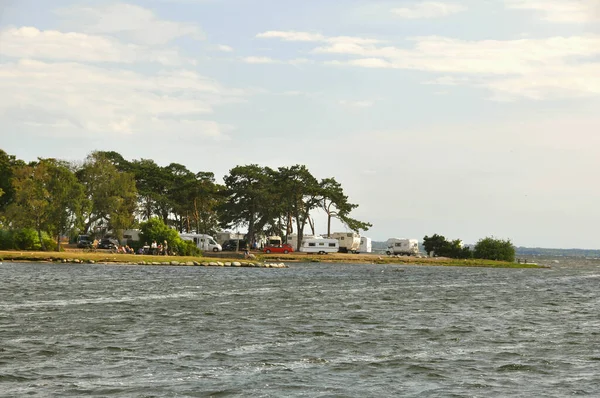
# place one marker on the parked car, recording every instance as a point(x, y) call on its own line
point(108, 243)
point(84, 241)
point(232, 245)
point(285, 249)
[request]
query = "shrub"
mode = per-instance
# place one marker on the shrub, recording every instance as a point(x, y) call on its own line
point(26, 239)
point(6, 239)
point(156, 230)
point(494, 249)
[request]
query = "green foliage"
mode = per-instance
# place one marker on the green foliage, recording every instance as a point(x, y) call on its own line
point(111, 194)
point(156, 230)
point(491, 248)
point(336, 205)
point(438, 245)
point(26, 239)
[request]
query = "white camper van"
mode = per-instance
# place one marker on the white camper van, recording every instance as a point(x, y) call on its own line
point(349, 241)
point(203, 242)
point(365, 245)
point(409, 247)
point(320, 245)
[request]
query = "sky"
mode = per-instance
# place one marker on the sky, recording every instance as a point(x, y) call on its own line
point(466, 118)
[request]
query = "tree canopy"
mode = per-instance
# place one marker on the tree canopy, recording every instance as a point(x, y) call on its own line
point(108, 194)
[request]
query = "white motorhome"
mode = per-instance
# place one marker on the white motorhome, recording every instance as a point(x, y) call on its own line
point(365, 245)
point(203, 242)
point(349, 241)
point(320, 245)
point(274, 241)
point(407, 247)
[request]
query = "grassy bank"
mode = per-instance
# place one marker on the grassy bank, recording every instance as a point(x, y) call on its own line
point(107, 257)
point(383, 259)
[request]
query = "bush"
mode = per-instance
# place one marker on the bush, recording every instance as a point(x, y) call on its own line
point(26, 239)
point(156, 230)
point(6, 239)
point(495, 249)
point(186, 248)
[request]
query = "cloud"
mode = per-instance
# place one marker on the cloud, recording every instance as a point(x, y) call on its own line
point(260, 60)
point(224, 48)
point(532, 68)
point(291, 36)
point(357, 104)
point(562, 11)
point(76, 99)
point(29, 42)
point(129, 22)
point(428, 9)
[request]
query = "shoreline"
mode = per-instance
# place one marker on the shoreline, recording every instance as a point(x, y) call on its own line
point(260, 260)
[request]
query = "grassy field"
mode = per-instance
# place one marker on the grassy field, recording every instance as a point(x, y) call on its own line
point(107, 257)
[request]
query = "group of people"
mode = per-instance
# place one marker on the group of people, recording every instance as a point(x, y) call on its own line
point(161, 249)
point(125, 249)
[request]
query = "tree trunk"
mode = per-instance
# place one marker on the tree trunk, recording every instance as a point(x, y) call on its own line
point(58, 242)
point(39, 231)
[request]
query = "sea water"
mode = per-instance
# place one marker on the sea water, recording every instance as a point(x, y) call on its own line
point(327, 330)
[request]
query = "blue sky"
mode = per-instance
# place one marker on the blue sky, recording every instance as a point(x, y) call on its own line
point(464, 118)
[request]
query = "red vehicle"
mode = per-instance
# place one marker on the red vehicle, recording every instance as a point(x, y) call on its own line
point(285, 249)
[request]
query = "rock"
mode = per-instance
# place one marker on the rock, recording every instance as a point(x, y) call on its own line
point(196, 263)
point(205, 264)
point(228, 264)
point(174, 263)
point(91, 262)
point(236, 264)
point(220, 264)
point(155, 263)
point(213, 264)
point(189, 263)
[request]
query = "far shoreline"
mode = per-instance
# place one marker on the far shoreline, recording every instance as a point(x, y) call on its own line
point(258, 259)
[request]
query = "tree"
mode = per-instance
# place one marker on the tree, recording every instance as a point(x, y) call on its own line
point(491, 248)
point(335, 204)
point(247, 197)
point(300, 193)
point(8, 164)
point(48, 197)
point(433, 244)
point(111, 194)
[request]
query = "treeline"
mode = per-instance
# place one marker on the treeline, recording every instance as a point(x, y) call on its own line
point(539, 251)
point(106, 192)
point(488, 248)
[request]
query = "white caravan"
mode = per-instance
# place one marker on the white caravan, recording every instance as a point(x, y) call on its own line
point(203, 242)
point(320, 245)
point(407, 247)
point(365, 245)
point(130, 235)
point(292, 240)
point(349, 241)
point(274, 241)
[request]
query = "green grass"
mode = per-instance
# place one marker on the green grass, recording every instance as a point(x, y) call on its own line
point(107, 257)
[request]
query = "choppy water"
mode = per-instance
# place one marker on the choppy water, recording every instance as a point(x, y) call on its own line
point(310, 330)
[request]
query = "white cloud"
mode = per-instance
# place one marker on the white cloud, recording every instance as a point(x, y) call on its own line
point(260, 60)
point(357, 104)
point(564, 11)
point(291, 36)
point(29, 42)
point(77, 99)
point(428, 9)
point(129, 22)
point(532, 68)
point(224, 48)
